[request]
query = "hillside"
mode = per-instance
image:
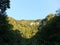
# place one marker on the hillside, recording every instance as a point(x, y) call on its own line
point(30, 32)
point(27, 28)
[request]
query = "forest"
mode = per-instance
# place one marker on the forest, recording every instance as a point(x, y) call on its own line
point(28, 32)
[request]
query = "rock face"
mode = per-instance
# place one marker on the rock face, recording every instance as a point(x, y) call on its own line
point(34, 23)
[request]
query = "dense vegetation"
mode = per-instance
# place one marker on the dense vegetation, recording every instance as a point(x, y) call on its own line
point(28, 32)
point(7, 35)
point(27, 28)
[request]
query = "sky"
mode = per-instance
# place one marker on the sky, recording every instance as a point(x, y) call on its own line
point(32, 9)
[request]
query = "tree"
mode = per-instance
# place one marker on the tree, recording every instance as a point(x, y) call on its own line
point(4, 25)
point(50, 32)
point(58, 12)
point(7, 35)
point(4, 4)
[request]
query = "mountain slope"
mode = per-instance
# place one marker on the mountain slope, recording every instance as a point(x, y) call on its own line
point(27, 28)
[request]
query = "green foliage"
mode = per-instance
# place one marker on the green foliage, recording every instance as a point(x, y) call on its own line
point(50, 16)
point(50, 32)
point(4, 4)
point(7, 35)
point(26, 32)
point(11, 30)
point(29, 32)
point(24, 26)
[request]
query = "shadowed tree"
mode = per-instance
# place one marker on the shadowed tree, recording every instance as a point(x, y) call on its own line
point(50, 32)
point(58, 12)
point(4, 25)
point(7, 35)
point(4, 4)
